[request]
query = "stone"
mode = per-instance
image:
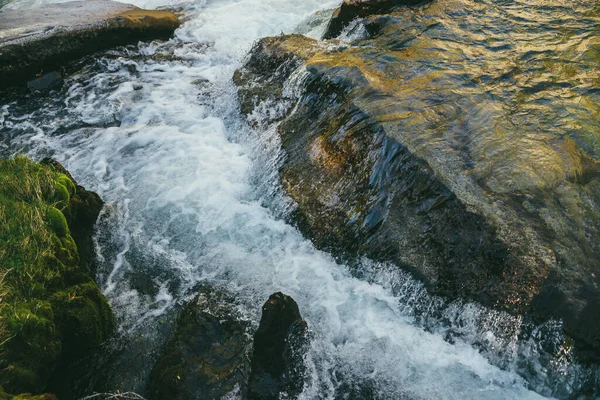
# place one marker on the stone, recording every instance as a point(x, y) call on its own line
point(43, 39)
point(46, 82)
point(280, 55)
point(207, 357)
point(82, 213)
point(279, 346)
point(54, 313)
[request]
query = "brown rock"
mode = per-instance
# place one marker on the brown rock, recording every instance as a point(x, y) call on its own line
point(401, 150)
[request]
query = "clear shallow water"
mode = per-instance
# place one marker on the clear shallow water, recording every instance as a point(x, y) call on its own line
point(192, 196)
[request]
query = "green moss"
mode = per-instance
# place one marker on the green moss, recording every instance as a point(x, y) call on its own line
point(68, 183)
point(28, 396)
point(51, 310)
point(62, 195)
point(25, 396)
point(64, 190)
point(57, 222)
point(34, 347)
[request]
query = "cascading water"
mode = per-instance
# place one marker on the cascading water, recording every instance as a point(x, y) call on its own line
point(192, 195)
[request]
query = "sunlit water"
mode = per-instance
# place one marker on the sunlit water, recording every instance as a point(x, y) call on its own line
point(192, 195)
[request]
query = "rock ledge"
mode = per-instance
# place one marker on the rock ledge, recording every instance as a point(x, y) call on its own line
point(42, 39)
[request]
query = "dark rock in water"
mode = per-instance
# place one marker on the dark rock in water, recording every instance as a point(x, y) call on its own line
point(209, 355)
point(45, 38)
point(46, 82)
point(207, 358)
point(352, 9)
point(404, 150)
point(279, 347)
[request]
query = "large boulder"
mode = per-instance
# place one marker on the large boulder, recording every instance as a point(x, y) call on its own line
point(52, 312)
point(42, 39)
point(420, 146)
point(279, 347)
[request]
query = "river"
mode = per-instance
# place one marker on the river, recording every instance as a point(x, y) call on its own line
point(193, 196)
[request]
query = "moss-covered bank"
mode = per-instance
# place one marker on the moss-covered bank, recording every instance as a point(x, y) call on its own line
point(51, 310)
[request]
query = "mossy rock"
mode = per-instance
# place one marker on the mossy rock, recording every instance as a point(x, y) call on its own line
point(29, 396)
point(62, 195)
point(81, 214)
point(52, 311)
point(85, 318)
point(64, 190)
point(33, 352)
point(68, 183)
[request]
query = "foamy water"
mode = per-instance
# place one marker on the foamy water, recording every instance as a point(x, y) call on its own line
point(192, 196)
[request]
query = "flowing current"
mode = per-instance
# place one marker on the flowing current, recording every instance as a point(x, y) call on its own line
point(192, 196)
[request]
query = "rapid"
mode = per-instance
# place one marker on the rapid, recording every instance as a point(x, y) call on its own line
point(193, 196)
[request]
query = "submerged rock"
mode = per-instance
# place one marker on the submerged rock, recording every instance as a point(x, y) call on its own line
point(426, 147)
point(207, 357)
point(46, 82)
point(42, 39)
point(279, 347)
point(52, 312)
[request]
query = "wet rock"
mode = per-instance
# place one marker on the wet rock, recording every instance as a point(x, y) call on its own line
point(353, 9)
point(279, 347)
point(45, 38)
point(211, 355)
point(280, 56)
point(400, 150)
point(207, 357)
